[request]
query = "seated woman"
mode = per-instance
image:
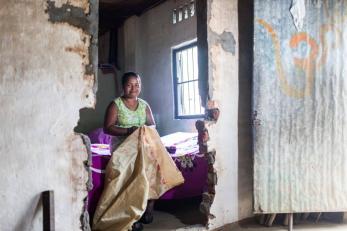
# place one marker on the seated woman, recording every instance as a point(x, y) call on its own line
point(128, 112)
point(135, 173)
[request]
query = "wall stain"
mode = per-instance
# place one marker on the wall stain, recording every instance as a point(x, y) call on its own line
point(79, 50)
point(226, 39)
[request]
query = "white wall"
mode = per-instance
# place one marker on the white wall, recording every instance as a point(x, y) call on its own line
point(148, 40)
point(42, 89)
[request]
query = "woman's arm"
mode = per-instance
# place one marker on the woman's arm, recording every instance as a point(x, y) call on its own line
point(149, 116)
point(111, 121)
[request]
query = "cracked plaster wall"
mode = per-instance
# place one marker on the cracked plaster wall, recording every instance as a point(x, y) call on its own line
point(222, 34)
point(43, 85)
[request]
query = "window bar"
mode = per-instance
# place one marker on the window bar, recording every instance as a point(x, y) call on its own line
point(193, 72)
point(185, 10)
point(180, 14)
point(184, 111)
point(182, 85)
point(191, 84)
point(201, 110)
point(179, 91)
point(174, 16)
point(192, 77)
point(196, 101)
point(188, 84)
point(186, 87)
point(192, 9)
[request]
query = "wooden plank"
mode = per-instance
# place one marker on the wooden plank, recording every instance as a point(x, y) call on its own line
point(290, 225)
point(286, 220)
point(271, 219)
point(262, 219)
point(344, 218)
point(318, 217)
point(48, 210)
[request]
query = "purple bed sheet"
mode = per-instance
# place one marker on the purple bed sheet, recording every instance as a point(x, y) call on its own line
point(187, 158)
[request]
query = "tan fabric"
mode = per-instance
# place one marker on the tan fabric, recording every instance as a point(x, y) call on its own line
point(140, 169)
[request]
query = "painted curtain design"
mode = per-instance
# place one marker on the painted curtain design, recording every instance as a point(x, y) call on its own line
point(300, 106)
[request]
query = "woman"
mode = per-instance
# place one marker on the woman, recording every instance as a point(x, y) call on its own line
point(128, 112)
point(140, 168)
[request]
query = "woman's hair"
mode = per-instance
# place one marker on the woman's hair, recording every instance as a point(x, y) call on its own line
point(126, 76)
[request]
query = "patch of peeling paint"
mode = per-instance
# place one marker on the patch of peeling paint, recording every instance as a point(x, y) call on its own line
point(82, 15)
point(70, 14)
point(226, 40)
point(84, 4)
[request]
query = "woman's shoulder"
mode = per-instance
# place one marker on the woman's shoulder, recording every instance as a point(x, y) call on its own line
point(142, 101)
point(117, 101)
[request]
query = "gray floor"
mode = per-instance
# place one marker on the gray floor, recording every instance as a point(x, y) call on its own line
point(166, 221)
point(176, 214)
point(307, 227)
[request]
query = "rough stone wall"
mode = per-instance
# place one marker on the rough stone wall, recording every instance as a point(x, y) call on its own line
point(44, 82)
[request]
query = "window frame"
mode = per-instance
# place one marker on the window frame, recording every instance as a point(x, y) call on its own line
point(175, 83)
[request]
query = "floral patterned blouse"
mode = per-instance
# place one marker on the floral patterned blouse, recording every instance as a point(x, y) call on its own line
point(128, 118)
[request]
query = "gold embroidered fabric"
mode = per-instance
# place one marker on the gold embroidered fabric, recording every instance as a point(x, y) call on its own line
point(140, 169)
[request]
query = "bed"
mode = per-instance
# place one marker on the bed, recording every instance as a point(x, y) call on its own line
point(183, 149)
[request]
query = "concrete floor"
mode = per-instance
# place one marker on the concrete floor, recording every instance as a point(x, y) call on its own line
point(176, 215)
point(307, 227)
point(183, 215)
point(168, 221)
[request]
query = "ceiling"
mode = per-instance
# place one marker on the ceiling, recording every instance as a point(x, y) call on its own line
point(112, 13)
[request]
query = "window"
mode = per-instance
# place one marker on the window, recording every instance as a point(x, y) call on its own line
point(186, 79)
point(183, 12)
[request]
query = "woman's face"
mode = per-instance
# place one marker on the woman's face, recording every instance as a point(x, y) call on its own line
point(132, 87)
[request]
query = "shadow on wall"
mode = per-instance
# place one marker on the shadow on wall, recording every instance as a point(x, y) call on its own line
point(108, 89)
point(245, 140)
point(34, 210)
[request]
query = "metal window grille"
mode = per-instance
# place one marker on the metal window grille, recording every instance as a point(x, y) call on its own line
point(186, 79)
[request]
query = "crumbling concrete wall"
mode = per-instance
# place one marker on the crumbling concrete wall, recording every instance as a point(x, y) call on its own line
point(46, 76)
point(223, 90)
point(217, 37)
